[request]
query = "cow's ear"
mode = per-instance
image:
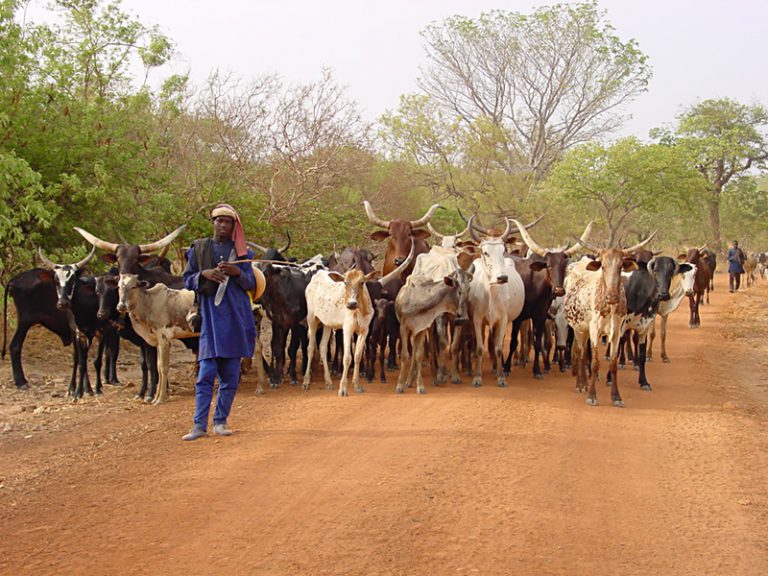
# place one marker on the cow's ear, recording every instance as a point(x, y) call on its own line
point(421, 234)
point(45, 276)
point(148, 259)
point(380, 235)
point(336, 277)
point(87, 289)
point(683, 268)
point(111, 281)
point(372, 275)
point(594, 265)
point(144, 284)
point(109, 257)
point(465, 259)
point(682, 257)
point(629, 265)
point(538, 266)
point(449, 281)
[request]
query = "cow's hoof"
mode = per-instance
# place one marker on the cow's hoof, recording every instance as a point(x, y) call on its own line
point(618, 403)
point(392, 366)
point(383, 380)
point(329, 386)
point(399, 390)
point(138, 398)
point(273, 385)
point(592, 401)
point(359, 390)
point(260, 391)
point(342, 392)
point(539, 376)
point(294, 382)
point(477, 382)
point(305, 385)
point(622, 366)
point(421, 390)
point(456, 381)
point(149, 400)
point(666, 361)
point(646, 386)
point(501, 383)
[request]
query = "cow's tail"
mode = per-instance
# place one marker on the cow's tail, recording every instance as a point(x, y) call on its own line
point(5, 317)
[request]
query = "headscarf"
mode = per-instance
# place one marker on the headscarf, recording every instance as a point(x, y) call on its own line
point(238, 236)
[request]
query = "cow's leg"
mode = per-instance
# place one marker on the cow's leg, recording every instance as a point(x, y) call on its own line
point(513, 340)
point(477, 380)
point(692, 304)
point(73, 376)
point(17, 342)
point(163, 366)
point(568, 345)
point(258, 360)
point(418, 355)
point(405, 365)
point(664, 356)
point(278, 342)
point(362, 336)
point(651, 338)
point(337, 352)
point(346, 359)
point(97, 362)
point(641, 352)
point(154, 375)
point(455, 352)
point(298, 335)
point(498, 352)
point(382, 349)
point(546, 346)
point(324, 356)
point(393, 331)
point(144, 370)
point(538, 334)
point(442, 348)
point(312, 333)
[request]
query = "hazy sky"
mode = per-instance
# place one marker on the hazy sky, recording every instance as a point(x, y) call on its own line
point(698, 48)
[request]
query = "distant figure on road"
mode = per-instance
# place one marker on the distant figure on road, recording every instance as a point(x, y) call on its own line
point(736, 260)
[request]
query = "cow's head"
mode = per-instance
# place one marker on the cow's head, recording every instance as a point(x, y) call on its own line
point(694, 255)
point(664, 268)
point(273, 254)
point(354, 285)
point(126, 286)
point(555, 259)
point(462, 278)
point(106, 290)
point(445, 240)
point(612, 262)
point(400, 234)
point(64, 276)
point(129, 257)
point(492, 249)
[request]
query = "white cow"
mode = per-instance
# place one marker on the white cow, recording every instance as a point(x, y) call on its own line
point(341, 301)
point(496, 297)
point(159, 315)
point(681, 285)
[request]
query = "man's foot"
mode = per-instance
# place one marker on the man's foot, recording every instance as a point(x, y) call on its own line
point(195, 433)
point(222, 430)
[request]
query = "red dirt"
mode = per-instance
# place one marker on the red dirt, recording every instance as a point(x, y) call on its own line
point(523, 480)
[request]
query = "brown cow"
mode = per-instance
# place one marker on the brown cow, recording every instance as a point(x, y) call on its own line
point(698, 256)
point(399, 235)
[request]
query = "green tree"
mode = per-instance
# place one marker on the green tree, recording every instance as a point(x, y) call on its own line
point(725, 141)
point(629, 185)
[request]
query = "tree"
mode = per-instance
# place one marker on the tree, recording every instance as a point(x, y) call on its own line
point(725, 141)
point(545, 82)
point(628, 184)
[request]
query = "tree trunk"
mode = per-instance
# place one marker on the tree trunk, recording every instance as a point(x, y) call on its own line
point(714, 220)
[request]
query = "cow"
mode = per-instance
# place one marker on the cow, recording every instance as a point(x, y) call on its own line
point(496, 297)
point(699, 258)
point(158, 314)
point(543, 275)
point(450, 241)
point(401, 235)
point(420, 302)
point(681, 284)
point(750, 265)
point(273, 254)
point(43, 296)
point(595, 304)
point(341, 301)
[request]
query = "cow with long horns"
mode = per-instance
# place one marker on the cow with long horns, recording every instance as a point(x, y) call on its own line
point(595, 305)
point(401, 235)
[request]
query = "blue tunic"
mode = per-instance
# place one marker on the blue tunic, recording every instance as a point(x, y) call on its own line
point(228, 330)
point(735, 261)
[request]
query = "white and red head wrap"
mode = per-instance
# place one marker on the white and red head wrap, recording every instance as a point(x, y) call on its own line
point(238, 236)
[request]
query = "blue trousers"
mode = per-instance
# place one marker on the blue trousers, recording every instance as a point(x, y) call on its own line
point(228, 371)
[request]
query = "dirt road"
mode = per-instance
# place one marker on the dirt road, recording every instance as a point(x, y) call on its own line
point(523, 480)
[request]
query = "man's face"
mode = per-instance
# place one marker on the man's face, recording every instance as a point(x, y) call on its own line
point(735, 244)
point(223, 226)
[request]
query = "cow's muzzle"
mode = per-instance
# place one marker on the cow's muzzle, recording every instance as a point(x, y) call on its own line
point(399, 260)
point(101, 315)
point(558, 291)
point(689, 293)
point(122, 308)
point(352, 305)
point(63, 304)
point(503, 279)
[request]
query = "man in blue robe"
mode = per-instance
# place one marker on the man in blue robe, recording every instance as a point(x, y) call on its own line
point(228, 330)
point(736, 261)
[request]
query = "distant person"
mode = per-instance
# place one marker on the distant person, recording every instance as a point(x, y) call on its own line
point(228, 331)
point(736, 261)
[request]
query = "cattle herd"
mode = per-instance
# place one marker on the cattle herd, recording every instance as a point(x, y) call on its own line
point(429, 305)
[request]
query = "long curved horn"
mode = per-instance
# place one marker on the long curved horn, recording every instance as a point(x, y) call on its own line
point(427, 216)
point(637, 247)
point(435, 233)
point(47, 264)
point(528, 240)
point(108, 246)
point(507, 231)
point(164, 251)
point(473, 230)
point(372, 215)
point(144, 248)
point(397, 272)
point(703, 246)
point(576, 247)
point(285, 248)
point(85, 260)
point(255, 246)
point(460, 234)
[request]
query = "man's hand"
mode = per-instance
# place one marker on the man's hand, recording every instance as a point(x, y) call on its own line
point(229, 269)
point(214, 275)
